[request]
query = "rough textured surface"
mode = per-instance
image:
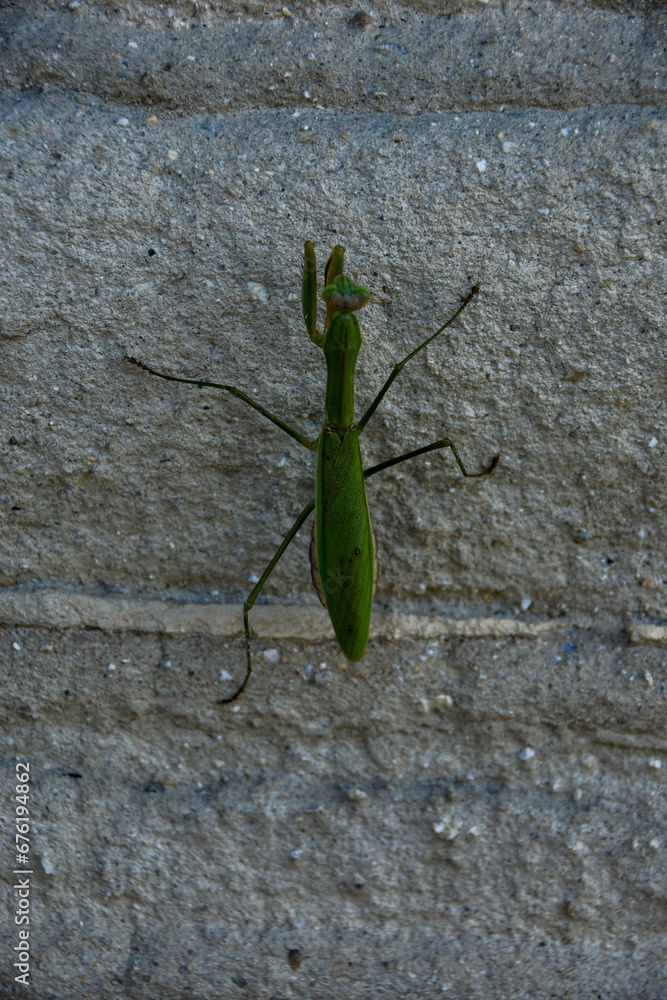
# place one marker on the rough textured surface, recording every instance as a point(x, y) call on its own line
point(382, 829)
point(563, 231)
point(379, 819)
point(43, 608)
point(398, 59)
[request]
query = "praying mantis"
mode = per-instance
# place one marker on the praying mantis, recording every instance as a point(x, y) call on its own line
point(343, 550)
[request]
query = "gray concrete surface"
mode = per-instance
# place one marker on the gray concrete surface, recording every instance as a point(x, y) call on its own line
point(379, 820)
point(382, 829)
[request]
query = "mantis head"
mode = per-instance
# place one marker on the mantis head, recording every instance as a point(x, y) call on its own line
point(340, 294)
point(344, 296)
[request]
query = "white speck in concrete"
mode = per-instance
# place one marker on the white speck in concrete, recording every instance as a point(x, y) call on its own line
point(257, 291)
point(48, 864)
point(526, 754)
point(481, 165)
point(446, 829)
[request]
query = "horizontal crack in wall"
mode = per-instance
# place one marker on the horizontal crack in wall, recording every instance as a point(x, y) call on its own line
point(42, 609)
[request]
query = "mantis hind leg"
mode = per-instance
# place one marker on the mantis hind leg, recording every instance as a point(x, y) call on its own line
point(443, 443)
point(253, 595)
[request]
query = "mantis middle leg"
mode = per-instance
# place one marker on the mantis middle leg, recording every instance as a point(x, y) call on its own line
point(397, 369)
point(311, 445)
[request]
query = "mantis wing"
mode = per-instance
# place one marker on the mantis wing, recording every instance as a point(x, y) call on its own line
point(345, 546)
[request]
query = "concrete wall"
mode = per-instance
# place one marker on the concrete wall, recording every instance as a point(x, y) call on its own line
point(474, 810)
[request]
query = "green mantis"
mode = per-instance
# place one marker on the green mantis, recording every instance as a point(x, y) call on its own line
point(343, 548)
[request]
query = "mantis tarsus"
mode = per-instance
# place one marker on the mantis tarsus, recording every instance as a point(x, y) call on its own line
point(343, 551)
